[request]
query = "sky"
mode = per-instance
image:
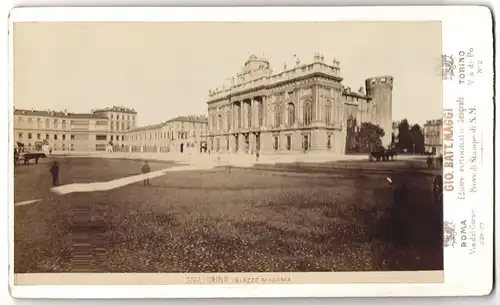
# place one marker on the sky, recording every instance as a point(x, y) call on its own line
point(163, 70)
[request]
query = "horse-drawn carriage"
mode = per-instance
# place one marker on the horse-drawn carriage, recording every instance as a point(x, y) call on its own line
point(20, 155)
point(383, 155)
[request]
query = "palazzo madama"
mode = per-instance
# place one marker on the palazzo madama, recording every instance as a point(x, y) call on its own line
point(299, 109)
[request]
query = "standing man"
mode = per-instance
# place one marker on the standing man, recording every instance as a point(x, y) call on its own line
point(430, 161)
point(145, 169)
point(54, 170)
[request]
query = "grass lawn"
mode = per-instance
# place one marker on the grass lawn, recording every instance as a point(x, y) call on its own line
point(222, 221)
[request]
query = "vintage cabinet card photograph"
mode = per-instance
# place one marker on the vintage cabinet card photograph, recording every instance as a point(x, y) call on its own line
point(251, 152)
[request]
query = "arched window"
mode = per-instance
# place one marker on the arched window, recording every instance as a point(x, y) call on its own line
point(228, 118)
point(249, 114)
point(260, 114)
point(328, 113)
point(238, 112)
point(219, 118)
point(277, 115)
point(291, 114)
point(307, 113)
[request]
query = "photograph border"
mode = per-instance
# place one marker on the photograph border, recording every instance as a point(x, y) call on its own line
point(452, 19)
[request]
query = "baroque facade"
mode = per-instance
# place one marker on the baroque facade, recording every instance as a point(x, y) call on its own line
point(303, 108)
point(433, 136)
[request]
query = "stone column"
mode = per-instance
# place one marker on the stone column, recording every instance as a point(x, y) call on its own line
point(316, 104)
point(247, 110)
point(300, 112)
point(265, 106)
point(254, 112)
point(242, 112)
point(233, 106)
point(247, 119)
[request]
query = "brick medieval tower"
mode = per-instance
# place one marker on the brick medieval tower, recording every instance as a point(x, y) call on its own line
point(380, 89)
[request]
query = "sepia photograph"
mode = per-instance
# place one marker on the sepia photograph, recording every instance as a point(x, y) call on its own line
point(227, 147)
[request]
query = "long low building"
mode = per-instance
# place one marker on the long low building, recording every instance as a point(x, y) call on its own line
point(301, 108)
point(115, 126)
point(61, 130)
point(183, 134)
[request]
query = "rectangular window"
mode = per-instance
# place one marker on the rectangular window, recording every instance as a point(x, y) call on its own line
point(111, 138)
point(100, 137)
point(20, 135)
point(123, 138)
point(47, 136)
point(276, 143)
point(329, 142)
point(72, 137)
point(29, 136)
point(38, 136)
point(288, 142)
point(55, 137)
point(100, 147)
point(305, 144)
point(64, 137)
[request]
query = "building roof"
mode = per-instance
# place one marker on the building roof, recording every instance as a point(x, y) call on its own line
point(434, 122)
point(148, 127)
point(190, 118)
point(116, 109)
point(58, 114)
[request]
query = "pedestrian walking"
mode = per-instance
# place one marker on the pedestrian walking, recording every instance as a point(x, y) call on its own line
point(54, 170)
point(440, 161)
point(146, 169)
point(429, 162)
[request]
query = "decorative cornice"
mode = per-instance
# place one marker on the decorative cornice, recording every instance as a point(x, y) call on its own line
point(297, 81)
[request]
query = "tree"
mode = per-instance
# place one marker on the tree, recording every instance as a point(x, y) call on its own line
point(369, 137)
point(405, 137)
point(410, 138)
point(418, 138)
